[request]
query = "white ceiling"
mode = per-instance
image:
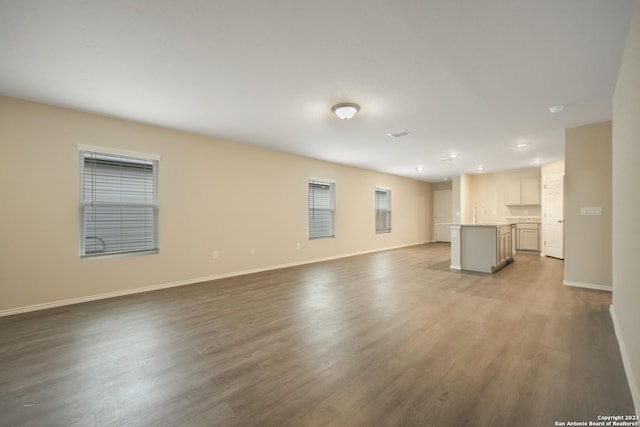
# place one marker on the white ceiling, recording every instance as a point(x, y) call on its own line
point(466, 76)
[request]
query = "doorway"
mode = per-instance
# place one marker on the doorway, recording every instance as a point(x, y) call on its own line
point(553, 216)
point(442, 215)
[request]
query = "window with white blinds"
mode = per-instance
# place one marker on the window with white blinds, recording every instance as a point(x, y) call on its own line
point(322, 209)
point(383, 210)
point(118, 204)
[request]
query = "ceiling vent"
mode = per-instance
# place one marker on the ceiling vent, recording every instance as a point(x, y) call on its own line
point(398, 134)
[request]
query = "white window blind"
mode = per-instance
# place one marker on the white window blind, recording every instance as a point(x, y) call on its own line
point(383, 210)
point(118, 204)
point(321, 209)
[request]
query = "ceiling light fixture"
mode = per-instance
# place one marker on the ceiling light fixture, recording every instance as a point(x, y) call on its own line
point(521, 145)
point(480, 168)
point(556, 108)
point(537, 161)
point(420, 168)
point(450, 157)
point(345, 110)
point(398, 134)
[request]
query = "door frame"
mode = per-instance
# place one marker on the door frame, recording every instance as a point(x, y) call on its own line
point(543, 234)
point(435, 207)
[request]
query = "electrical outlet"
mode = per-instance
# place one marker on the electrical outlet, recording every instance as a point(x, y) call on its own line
point(215, 254)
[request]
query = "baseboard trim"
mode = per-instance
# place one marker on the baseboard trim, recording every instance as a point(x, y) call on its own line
point(587, 285)
point(631, 379)
point(106, 295)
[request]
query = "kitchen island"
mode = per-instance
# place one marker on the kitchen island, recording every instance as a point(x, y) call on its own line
point(484, 248)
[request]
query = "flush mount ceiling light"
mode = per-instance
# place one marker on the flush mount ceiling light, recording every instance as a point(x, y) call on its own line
point(345, 110)
point(556, 108)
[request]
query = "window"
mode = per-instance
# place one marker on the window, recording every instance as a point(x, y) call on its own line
point(322, 209)
point(118, 204)
point(383, 210)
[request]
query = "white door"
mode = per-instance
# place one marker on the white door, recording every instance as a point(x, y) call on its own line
point(442, 215)
point(553, 216)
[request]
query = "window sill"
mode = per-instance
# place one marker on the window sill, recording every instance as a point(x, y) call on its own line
point(119, 255)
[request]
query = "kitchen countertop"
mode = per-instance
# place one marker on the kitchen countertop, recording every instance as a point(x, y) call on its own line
point(525, 220)
point(485, 224)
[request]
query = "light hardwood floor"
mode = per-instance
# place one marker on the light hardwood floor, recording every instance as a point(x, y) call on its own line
point(387, 339)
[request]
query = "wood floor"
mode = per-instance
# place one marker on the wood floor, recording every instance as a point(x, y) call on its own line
point(387, 339)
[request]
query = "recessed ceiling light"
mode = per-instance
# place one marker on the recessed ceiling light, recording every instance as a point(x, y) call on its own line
point(480, 168)
point(451, 156)
point(398, 134)
point(521, 145)
point(345, 110)
point(556, 108)
point(536, 161)
point(446, 178)
point(419, 168)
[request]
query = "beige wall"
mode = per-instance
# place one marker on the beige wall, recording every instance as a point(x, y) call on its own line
point(488, 190)
point(552, 168)
point(436, 186)
point(465, 198)
point(211, 193)
point(588, 184)
point(455, 200)
point(626, 205)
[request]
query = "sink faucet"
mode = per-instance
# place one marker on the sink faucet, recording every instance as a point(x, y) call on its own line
point(474, 212)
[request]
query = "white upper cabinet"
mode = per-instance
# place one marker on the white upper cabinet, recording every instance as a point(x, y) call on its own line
point(522, 192)
point(530, 191)
point(512, 193)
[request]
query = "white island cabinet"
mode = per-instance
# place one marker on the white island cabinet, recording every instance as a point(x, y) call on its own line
point(485, 248)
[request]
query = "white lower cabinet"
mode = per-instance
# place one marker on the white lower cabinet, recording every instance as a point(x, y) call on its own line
point(528, 237)
point(504, 244)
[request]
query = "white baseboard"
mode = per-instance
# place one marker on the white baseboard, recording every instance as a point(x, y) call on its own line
point(95, 297)
point(631, 379)
point(587, 285)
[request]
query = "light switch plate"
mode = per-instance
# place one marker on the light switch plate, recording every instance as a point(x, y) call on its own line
point(591, 211)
